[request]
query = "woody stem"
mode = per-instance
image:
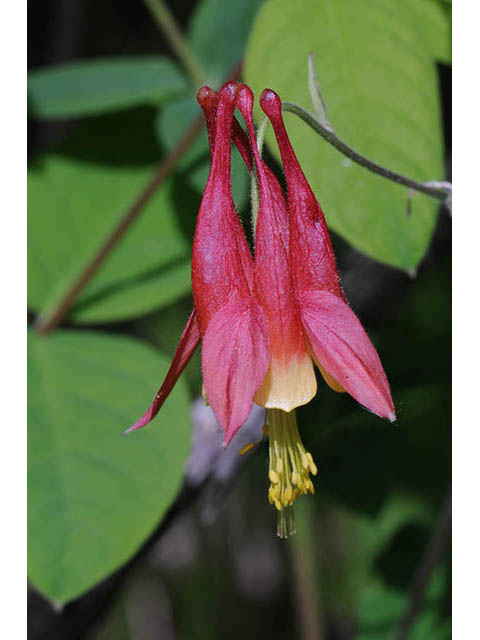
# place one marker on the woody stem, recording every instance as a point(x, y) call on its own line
point(169, 27)
point(439, 190)
point(51, 317)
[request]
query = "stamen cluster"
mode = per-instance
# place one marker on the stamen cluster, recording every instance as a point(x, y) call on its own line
point(290, 464)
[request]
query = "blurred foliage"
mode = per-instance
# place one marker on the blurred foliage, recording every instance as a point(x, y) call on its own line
point(226, 25)
point(376, 69)
point(77, 191)
point(99, 86)
point(94, 497)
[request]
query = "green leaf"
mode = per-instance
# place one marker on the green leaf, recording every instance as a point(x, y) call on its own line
point(97, 86)
point(435, 22)
point(380, 610)
point(77, 194)
point(136, 297)
point(95, 496)
point(218, 34)
point(377, 74)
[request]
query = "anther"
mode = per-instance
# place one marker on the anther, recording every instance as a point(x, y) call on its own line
point(273, 477)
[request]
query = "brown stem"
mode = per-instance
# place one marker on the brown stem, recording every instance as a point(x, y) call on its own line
point(433, 554)
point(51, 319)
point(169, 27)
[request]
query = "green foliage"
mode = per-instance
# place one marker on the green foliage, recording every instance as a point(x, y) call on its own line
point(381, 608)
point(97, 86)
point(77, 193)
point(434, 22)
point(377, 72)
point(94, 496)
point(218, 33)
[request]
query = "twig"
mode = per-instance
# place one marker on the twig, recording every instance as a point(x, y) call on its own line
point(52, 318)
point(169, 27)
point(439, 190)
point(433, 554)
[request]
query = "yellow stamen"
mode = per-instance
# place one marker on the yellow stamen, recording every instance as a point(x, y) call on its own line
point(204, 395)
point(290, 467)
point(248, 447)
point(273, 476)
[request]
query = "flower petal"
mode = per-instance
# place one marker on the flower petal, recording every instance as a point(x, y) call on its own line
point(235, 358)
point(208, 100)
point(189, 341)
point(311, 253)
point(290, 381)
point(222, 265)
point(344, 350)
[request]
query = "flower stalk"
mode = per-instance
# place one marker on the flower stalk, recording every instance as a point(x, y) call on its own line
point(439, 190)
point(169, 27)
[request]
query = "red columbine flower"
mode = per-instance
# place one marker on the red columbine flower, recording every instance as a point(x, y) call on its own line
point(263, 324)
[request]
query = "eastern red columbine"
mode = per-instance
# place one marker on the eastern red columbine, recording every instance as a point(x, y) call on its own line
point(264, 322)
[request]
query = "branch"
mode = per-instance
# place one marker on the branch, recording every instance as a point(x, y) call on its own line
point(439, 190)
point(433, 554)
point(170, 29)
point(50, 319)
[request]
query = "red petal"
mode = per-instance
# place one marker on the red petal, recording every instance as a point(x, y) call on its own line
point(311, 252)
point(186, 347)
point(222, 264)
point(291, 362)
point(344, 350)
point(208, 100)
point(235, 357)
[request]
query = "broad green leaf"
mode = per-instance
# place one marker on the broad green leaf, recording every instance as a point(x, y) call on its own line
point(218, 34)
point(136, 297)
point(95, 496)
point(106, 84)
point(77, 194)
point(435, 22)
point(377, 74)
